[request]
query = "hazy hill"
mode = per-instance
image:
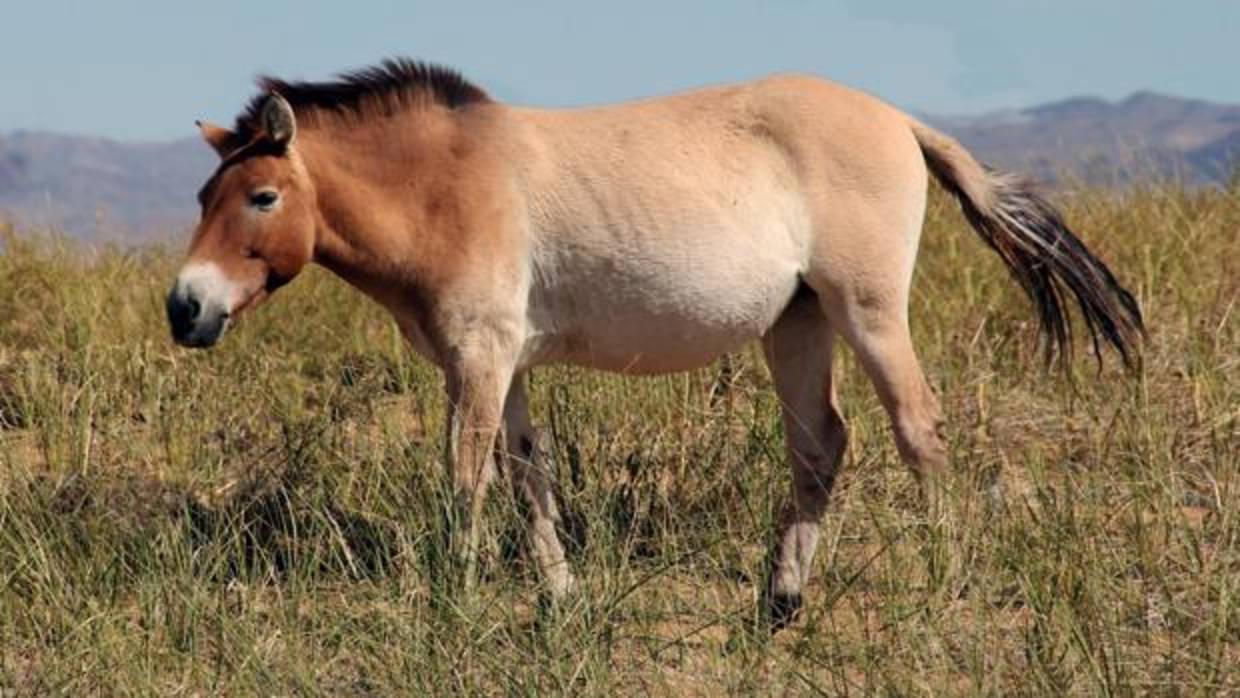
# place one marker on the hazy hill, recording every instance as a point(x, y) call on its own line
point(94, 187)
point(97, 188)
point(1108, 142)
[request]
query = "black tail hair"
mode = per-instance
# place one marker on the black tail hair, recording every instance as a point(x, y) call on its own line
point(1048, 261)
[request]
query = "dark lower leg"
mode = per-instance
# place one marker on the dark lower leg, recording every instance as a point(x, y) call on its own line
point(814, 472)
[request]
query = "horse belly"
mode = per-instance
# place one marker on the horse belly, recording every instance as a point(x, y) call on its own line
point(658, 313)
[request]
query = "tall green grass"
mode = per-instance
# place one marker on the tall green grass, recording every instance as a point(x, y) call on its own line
point(268, 517)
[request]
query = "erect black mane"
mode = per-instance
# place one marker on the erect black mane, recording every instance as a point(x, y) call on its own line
point(393, 85)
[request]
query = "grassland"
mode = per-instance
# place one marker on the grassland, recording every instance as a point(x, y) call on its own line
point(267, 518)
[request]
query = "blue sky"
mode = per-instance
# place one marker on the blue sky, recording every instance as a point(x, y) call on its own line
point(145, 70)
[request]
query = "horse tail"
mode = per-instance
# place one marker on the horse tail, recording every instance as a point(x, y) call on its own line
point(1042, 253)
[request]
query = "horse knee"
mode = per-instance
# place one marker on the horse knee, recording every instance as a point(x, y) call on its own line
point(919, 438)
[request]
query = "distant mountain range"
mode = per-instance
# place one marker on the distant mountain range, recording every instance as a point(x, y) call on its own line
point(96, 188)
point(1146, 135)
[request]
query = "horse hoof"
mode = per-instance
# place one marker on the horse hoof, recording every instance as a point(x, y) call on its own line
point(781, 610)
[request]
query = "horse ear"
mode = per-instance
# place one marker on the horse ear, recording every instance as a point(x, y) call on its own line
point(278, 121)
point(221, 140)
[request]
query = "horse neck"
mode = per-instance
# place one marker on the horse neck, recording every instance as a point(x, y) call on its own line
point(374, 186)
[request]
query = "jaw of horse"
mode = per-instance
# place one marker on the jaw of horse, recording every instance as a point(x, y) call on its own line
point(199, 306)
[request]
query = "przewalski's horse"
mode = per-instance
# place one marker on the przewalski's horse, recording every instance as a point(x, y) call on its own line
point(647, 237)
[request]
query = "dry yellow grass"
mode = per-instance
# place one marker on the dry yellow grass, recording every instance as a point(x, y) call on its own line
point(267, 518)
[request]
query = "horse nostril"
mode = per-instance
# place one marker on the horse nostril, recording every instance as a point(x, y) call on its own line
point(182, 312)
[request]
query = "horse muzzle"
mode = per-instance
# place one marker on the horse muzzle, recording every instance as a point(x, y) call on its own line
point(197, 313)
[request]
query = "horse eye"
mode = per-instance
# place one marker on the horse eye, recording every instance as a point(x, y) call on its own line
point(264, 200)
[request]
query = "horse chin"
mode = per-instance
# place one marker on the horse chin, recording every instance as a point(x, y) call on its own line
point(254, 300)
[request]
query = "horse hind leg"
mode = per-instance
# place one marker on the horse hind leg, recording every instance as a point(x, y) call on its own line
point(887, 356)
point(872, 316)
point(798, 351)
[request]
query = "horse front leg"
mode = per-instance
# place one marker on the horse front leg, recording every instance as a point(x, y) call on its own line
point(477, 385)
point(532, 484)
